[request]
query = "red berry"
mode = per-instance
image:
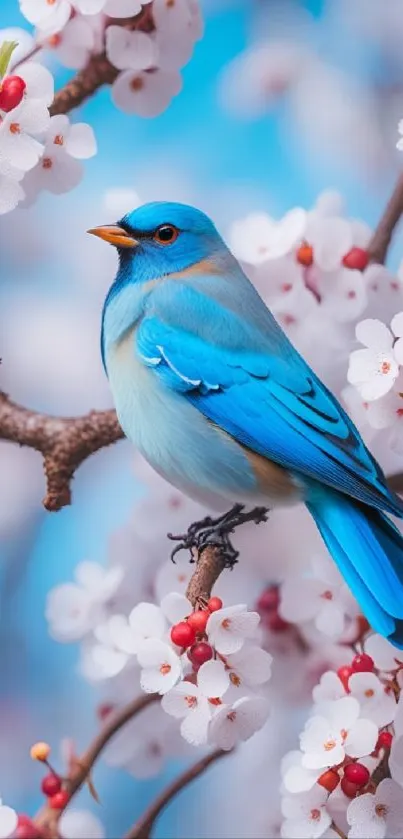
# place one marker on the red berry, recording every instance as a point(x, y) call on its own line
point(183, 634)
point(276, 623)
point(385, 740)
point(59, 800)
point(362, 663)
point(198, 620)
point(26, 828)
point(344, 674)
point(356, 258)
point(357, 774)
point(349, 788)
point(269, 600)
point(11, 92)
point(329, 780)
point(305, 254)
point(214, 604)
point(51, 784)
point(200, 653)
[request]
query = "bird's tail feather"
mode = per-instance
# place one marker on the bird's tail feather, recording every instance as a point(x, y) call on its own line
point(368, 550)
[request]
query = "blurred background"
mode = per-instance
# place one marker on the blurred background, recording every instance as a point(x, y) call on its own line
point(281, 100)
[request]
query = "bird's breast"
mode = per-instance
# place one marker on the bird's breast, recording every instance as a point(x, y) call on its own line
point(181, 444)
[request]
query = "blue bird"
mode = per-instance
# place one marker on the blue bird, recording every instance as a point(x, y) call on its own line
point(220, 403)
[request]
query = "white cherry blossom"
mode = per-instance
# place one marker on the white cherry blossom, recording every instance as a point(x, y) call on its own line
point(145, 93)
point(238, 722)
point(11, 191)
point(376, 703)
point(195, 703)
point(8, 821)
point(329, 688)
point(386, 656)
point(228, 628)
point(17, 145)
point(41, 13)
point(323, 597)
point(258, 237)
point(306, 815)
point(145, 743)
point(330, 238)
point(124, 8)
point(327, 739)
point(373, 370)
point(73, 44)
point(172, 17)
point(73, 609)
point(378, 815)
point(161, 666)
point(249, 666)
point(296, 777)
point(130, 50)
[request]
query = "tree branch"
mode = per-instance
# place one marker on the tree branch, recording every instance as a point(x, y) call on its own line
point(64, 442)
point(143, 827)
point(98, 71)
point(379, 244)
point(81, 768)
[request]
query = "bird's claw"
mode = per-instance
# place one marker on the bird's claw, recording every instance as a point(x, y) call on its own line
point(209, 531)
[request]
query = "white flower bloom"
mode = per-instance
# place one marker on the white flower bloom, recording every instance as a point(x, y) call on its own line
point(258, 237)
point(375, 703)
point(130, 50)
point(145, 743)
point(25, 42)
point(74, 824)
point(327, 739)
point(306, 816)
point(228, 628)
point(343, 294)
point(74, 609)
point(73, 44)
point(193, 703)
point(329, 688)
point(17, 146)
point(39, 83)
point(161, 666)
point(379, 815)
point(249, 666)
point(102, 660)
point(172, 18)
point(374, 370)
point(41, 13)
point(330, 238)
point(322, 597)
point(88, 7)
point(385, 655)
point(296, 777)
point(8, 821)
point(124, 8)
point(58, 170)
point(146, 93)
point(232, 723)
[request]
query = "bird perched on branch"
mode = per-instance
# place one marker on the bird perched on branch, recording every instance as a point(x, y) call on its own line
point(216, 398)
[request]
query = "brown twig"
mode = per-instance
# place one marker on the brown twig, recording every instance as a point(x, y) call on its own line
point(64, 442)
point(395, 482)
point(379, 244)
point(209, 565)
point(81, 768)
point(98, 71)
point(143, 827)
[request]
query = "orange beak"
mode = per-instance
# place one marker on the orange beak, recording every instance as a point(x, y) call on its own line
point(115, 235)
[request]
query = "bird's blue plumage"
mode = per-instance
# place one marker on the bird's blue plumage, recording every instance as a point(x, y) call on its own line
point(215, 384)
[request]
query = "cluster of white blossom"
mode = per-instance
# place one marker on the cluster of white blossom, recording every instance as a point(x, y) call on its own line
point(204, 663)
point(39, 152)
point(347, 777)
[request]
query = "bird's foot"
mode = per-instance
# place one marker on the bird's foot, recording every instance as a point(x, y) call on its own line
point(210, 531)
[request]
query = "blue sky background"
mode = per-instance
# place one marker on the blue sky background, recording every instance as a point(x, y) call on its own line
point(260, 163)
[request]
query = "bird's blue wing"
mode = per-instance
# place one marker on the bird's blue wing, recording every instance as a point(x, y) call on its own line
point(277, 409)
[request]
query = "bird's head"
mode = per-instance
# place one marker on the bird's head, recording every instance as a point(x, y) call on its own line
point(158, 239)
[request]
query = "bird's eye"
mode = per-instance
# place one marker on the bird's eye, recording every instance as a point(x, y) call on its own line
point(166, 234)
